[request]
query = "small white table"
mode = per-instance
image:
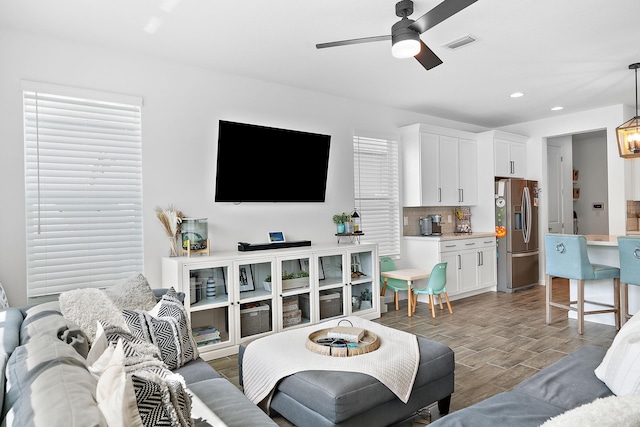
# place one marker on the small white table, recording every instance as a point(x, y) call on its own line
point(408, 274)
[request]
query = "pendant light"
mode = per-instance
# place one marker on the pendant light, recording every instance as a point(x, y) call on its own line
point(628, 133)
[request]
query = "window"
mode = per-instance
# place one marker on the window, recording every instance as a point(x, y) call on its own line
point(83, 188)
point(377, 192)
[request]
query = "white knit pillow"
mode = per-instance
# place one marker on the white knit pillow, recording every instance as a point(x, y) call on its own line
point(620, 368)
point(612, 411)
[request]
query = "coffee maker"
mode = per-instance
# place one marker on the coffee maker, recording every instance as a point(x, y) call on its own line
point(430, 225)
point(436, 228)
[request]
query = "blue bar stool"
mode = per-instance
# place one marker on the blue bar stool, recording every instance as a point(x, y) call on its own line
point(629, 252)
point(566, 256)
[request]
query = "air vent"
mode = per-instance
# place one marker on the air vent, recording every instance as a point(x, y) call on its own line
point(463, 41)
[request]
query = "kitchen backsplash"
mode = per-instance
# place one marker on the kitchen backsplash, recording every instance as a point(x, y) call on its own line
point(633, 215)
point(414, 214)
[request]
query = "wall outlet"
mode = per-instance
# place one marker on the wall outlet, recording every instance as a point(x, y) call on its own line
point(448, 219)
point(406, 220)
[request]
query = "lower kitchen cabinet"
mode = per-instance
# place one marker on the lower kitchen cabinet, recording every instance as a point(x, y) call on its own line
point(233, 298)
point(471, 261)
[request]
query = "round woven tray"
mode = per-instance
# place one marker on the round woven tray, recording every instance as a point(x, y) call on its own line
point(367, 344)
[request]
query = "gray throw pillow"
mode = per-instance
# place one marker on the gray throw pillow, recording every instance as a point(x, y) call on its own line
point(133, 293)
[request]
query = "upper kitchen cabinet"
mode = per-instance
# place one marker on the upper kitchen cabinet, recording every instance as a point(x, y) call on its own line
point(509, 153)
point(439, 166)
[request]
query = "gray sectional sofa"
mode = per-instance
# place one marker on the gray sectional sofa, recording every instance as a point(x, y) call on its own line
point(48, 383)
point(565, 385)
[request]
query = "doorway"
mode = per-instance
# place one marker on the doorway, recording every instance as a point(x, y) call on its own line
point(577, 180)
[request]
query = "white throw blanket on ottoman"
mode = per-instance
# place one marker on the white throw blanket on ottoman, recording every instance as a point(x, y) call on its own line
point(267, 360)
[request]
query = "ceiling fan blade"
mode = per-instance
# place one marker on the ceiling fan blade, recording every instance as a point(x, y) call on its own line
point(439, 13)
point(427, 58)
point(353, 41)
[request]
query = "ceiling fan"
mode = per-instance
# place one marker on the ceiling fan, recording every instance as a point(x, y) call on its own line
point(405, 34)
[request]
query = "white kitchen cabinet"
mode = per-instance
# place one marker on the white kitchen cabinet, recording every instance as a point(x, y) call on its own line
point(261, 292)
point(471, 266)
point(439, 166)
point(509, 152)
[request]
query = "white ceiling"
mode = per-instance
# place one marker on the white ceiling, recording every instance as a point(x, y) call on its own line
point(572, 53)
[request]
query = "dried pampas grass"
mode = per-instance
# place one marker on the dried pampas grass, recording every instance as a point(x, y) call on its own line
point(171, 219)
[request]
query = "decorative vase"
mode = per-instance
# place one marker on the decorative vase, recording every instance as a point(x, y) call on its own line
point(211, 288)
point(173, 246)
point(341, 228)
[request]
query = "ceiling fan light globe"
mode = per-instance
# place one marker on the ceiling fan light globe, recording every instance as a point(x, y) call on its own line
point(405, 48)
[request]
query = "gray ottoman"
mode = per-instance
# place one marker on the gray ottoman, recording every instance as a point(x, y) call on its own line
point(330, 398)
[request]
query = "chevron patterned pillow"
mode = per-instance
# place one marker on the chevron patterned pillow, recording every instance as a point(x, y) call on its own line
point(167, 326)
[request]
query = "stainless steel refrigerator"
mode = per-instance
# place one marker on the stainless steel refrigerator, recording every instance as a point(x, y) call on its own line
point(517, 211)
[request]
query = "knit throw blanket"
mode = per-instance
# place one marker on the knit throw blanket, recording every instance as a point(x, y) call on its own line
point(268, 360)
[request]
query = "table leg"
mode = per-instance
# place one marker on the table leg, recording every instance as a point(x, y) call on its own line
point(409, 296)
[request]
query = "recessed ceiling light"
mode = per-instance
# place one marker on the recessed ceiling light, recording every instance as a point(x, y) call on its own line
point(516, 95)
point(558, 108)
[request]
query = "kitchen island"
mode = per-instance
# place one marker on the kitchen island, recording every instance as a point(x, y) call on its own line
point(602, 249)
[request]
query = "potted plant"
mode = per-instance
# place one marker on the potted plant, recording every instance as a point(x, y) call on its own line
point(365, 299)
point(340, 220)
point(267, 283)
point(298, 279)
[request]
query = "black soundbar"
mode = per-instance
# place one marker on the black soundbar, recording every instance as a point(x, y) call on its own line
point(244, 247)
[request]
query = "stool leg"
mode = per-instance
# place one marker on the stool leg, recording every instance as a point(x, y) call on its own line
point(446, 297)
point(440, 301)
point(432, 303)
point(548, 293)
point(616, 301)
point(415, 302)
point(580, 306)
point(384, 287)
point(624, 302)
point(395, 299)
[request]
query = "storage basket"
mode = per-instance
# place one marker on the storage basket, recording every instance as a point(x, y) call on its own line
point(290, 303)
point(330, 305)
point(291, 318)
point(255, 320)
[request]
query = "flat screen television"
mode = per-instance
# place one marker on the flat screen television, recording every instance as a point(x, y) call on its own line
point(266, 164)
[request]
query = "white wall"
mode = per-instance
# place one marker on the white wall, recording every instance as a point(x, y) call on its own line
point(590, 159)
point(182, 106)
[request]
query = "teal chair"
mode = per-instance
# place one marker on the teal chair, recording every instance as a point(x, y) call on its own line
point(566, 256)
point(396, 285)
point(435, 286)
point(629, 253)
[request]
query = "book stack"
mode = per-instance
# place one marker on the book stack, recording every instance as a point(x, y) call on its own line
point(206, 335)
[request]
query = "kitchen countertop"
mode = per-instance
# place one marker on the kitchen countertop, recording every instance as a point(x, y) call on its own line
point(454, 236)
point(601, 240)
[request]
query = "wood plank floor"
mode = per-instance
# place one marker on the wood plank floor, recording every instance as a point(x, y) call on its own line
point(499, 340)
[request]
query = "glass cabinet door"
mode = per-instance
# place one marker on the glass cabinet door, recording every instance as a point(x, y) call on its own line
point(295, 275)
point(208, 302)
point(361, 278)
point(331, 285)
point(255, 297)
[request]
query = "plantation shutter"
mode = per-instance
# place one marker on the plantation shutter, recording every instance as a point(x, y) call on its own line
point(377, 192)
point(83, 184)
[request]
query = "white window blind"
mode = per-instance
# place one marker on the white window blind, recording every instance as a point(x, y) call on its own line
point(83, 184)
point(377, 192)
